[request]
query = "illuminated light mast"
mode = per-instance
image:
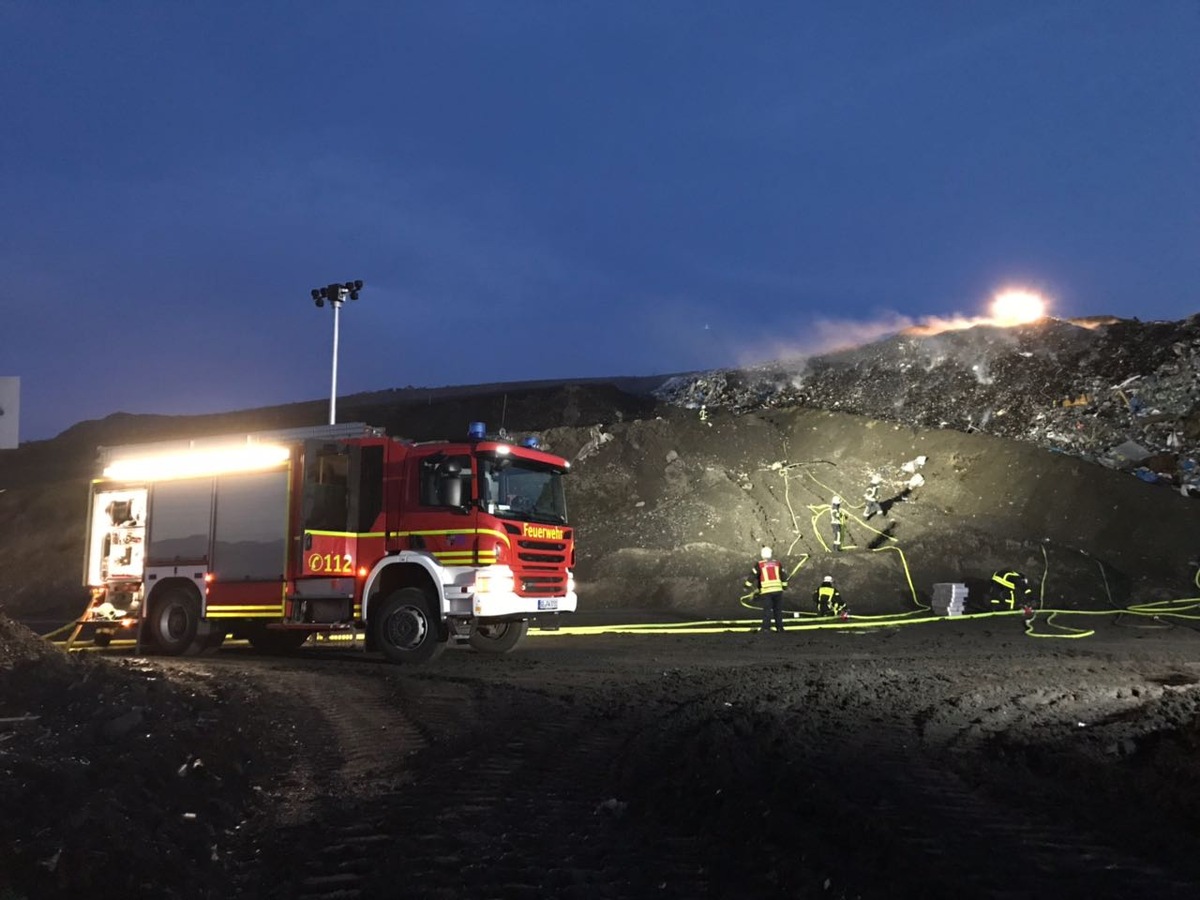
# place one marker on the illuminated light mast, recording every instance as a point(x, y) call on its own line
point(336, 294)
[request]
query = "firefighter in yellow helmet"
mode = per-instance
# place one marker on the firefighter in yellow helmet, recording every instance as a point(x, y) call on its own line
point(768, 579)
point(829, 599)
point(1010, 590)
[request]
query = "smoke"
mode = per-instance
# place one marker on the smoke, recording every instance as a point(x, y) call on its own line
point(826, 335)
point(931, 325)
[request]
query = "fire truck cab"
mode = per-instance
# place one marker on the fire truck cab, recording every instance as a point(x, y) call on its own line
point(274, 536)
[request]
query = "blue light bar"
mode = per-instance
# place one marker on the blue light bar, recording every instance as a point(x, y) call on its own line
point(477, 431)
point(531, 442)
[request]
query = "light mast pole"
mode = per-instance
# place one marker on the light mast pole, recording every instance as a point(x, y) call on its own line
point(336, 294)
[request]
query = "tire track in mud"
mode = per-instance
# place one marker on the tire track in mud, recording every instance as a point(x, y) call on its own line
point(453, 787)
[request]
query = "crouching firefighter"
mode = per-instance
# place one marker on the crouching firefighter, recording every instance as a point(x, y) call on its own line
point(829, 599)
point(769, 581)
point(1011, 590)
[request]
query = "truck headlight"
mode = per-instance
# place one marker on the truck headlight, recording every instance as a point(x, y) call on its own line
point(498, 580)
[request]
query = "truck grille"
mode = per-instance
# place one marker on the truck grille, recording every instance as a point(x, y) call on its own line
point(541, 585)
point(551, 552)
point(541, 568)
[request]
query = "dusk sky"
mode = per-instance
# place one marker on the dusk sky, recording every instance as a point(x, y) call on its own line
point(562, 189)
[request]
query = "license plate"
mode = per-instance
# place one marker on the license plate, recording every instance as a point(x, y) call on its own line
point(548, 604)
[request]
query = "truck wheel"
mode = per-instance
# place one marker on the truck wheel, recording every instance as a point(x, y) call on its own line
point(276, 641)
point(498, 637)
point(406, 629)
point(174, 618)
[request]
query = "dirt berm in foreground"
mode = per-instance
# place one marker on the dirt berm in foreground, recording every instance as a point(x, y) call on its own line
point(956, 759)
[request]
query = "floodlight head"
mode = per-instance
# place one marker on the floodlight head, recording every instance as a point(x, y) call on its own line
point(349, 285)
point(320, 302)
point(316, 294)
point(354, 295)
point(358, 284)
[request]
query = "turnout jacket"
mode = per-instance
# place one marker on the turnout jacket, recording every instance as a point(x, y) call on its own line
point(767, 577)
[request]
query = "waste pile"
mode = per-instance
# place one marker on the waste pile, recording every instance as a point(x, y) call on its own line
point(1121, 393)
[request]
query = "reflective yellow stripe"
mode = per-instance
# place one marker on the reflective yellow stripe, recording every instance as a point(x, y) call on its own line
point(244, 606)
point(500, 534)
point(346, 534)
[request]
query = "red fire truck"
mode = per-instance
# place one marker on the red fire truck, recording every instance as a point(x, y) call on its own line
point(273, 536)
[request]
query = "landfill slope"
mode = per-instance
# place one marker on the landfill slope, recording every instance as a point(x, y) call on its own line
point(1121, 393)
point(670, 514)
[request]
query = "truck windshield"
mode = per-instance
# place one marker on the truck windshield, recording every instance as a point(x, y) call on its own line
point(516, 488)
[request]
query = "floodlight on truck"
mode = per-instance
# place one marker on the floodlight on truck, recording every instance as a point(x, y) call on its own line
point(198, 462)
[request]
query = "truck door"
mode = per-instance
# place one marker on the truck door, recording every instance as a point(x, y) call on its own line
point(326, 543)
point(441, 521)
point(341, 501)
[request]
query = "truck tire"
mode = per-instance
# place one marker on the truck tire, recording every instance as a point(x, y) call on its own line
point(406, 628)
point(173, 620)
point(497, 637)
point(276, 641)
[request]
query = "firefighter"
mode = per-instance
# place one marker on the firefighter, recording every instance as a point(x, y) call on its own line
point(829, 599)
point(837, 518)
point(769, 580)
point(1010, 589)
point(871, 496)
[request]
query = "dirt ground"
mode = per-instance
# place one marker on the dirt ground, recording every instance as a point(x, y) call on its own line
point(951, 759)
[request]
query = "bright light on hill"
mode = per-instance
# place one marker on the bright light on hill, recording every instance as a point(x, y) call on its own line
point(1015, 307)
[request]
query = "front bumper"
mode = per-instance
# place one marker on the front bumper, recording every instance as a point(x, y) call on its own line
point(495, 596)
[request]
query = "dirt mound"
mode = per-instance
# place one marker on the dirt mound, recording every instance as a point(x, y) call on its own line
point(670, 513)
point(103, 756)
point(19, 645)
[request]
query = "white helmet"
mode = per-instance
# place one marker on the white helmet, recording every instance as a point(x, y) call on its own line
point(828, 579)
point(766, 552)
point(837, 501)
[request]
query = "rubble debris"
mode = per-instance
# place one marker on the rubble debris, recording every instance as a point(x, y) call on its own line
point(598, 438)
point(1091, 390)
